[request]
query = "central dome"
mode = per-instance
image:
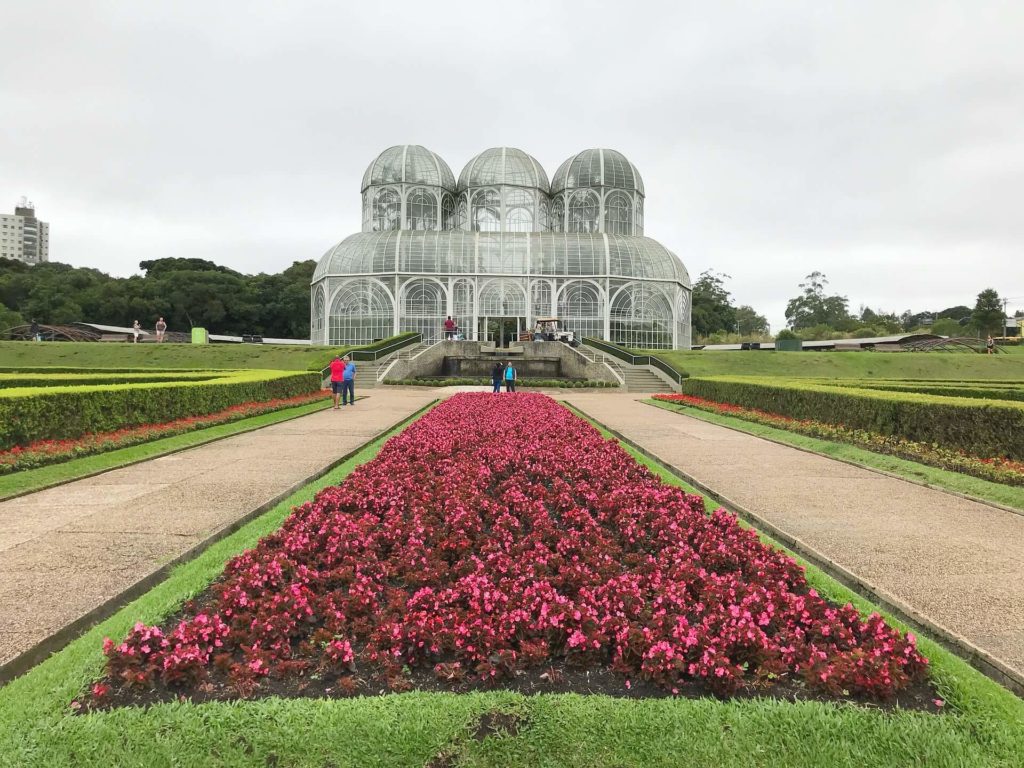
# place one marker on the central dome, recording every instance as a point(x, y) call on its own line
point(503, 166)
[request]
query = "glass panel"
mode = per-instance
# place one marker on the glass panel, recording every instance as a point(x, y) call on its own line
point(448, 216)
point(486, 211)
point(558, 214)
point(316, 326)
point(361, 313)
point(462, 305)
point(387, 210)
point(641, 317)
point(540, 299)
point(583, 209)
point(518, 211)
point(618, 214)
point(581, 308)
point(421, 210)
point(502, 298)
point(423, 308)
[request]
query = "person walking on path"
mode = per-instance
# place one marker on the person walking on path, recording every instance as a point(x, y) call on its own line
point(990, 345)
point(337, 377)
point(161, 329)
point(510, 377)
point(348, 382)
point(136, 330)
point(497, 372)
point(449, 329)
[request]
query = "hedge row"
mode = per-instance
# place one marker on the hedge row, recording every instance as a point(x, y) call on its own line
point(978, 427)
point(485, 382)
point(10, 381)
point(51, 413)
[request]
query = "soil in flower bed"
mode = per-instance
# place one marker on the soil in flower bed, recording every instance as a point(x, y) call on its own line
point(501, 542)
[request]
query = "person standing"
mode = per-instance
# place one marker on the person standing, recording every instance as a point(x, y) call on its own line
point(136, 330)
point(510, 377)
point(161, 329)
point(337, 377)
point(990, 345)
point(497, 372)
point(348, 382)
point(449, 329)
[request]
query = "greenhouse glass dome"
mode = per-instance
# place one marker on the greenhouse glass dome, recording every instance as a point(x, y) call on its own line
point(501, 245)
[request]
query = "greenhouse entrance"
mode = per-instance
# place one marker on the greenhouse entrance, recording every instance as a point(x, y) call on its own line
point(501, 330)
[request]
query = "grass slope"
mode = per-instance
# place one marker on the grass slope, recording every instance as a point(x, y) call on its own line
point(848, 365)
point(27, 481)
point(1008, 495)
point(985, 726)
point(67, 354)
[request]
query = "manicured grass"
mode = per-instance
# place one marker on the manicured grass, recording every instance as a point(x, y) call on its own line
point(1011, 496)
point(67, 354)
point(29, 480)
point(840, 365)
point(984, 725)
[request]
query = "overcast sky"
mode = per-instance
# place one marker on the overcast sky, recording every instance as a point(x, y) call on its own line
point(881, 143)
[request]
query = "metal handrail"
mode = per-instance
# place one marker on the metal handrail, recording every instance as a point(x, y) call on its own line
point(629, 357)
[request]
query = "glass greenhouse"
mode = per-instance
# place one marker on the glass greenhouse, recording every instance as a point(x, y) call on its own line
point(499, 249)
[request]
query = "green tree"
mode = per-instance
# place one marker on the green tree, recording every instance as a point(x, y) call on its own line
point(712, 308)
point(947, 326)
point(987, 316)
point(814, 308)
point(749, 323)
point(9, 318)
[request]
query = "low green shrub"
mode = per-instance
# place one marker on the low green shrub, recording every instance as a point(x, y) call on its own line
point(50, 413)
point(980, 427)
point(10, 381)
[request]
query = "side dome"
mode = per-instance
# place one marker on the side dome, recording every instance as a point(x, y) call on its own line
point(409, 164)
point(503, 166)
point(597, 168)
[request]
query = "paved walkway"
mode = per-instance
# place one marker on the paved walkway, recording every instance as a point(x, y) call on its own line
point(958, 562)
point(67, 550)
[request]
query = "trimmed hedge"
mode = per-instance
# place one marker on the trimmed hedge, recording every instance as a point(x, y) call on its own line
point(10, 381)
point(979, 427)
point(485, 382)
point(51, 413)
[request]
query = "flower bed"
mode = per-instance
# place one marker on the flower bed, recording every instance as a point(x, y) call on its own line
point(44, 452)
point(998, 470)
point(493, 538)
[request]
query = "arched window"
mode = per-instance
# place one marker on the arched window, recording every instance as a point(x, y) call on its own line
point(423, 308)
point(558, 214)
point(544, 217)
point(518, 211)
point(502, 298)
point(639, 216)
point(361, 313)
point(641, 317)
point(461, 213)
point(462, 305)
point(421, 210)
point(618, 214)
point(316, 323)
point(540, 299)
point(486, 211)
point(580, 304)
point(583, 211)
point(448, 220)
point(387, 210)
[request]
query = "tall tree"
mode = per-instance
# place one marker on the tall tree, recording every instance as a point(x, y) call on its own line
point(712, 308)
point(987, 316)
point(749, 323)
point(813, 307)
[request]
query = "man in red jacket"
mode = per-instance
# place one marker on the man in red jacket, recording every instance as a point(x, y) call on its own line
point(337, 378)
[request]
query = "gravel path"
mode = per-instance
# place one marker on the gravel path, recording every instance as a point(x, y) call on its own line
point(958, 562)
point(68, 550)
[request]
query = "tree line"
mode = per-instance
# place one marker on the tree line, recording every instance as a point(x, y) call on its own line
point(185, 292)
point(818, 314)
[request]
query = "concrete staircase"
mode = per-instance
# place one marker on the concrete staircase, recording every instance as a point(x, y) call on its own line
point(636, 378)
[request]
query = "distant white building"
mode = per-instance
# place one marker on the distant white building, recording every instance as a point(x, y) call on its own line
point(24, 237)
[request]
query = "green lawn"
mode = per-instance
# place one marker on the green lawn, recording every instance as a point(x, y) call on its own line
point(983, 724)
point(67, 354)
point(1008, 495)
point(29, 480)
point(846, 365)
